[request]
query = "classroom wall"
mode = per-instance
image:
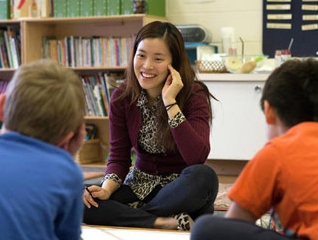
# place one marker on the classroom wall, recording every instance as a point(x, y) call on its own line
point(245, 16)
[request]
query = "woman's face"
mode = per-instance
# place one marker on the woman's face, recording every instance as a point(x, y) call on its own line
point(151, 65)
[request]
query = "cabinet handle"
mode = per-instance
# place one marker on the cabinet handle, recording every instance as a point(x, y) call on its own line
point(258, 89)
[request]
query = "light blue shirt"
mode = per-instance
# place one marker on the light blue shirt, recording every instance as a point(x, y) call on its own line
point(41, 190)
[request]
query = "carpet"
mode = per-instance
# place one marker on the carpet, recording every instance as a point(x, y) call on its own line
point(222, 202)
point(91, 175)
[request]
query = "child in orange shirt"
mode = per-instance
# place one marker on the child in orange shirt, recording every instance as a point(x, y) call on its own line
point(283, 175)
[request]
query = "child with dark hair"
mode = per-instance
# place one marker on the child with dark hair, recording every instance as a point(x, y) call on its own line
point(283, 175)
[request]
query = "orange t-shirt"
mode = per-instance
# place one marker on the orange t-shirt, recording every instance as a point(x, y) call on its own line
point(284, 174)
point(2, 96)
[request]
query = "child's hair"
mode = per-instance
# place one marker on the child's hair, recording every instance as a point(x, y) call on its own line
point(45, 101)
point(180, 61)
point(292, 89)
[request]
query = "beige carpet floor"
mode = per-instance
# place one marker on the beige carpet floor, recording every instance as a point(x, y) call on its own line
point(222, 202)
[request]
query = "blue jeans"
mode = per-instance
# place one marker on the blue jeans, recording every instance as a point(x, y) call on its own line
point(193, 192)
point(212, 227)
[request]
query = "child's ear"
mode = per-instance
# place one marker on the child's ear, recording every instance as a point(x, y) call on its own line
point(269, 112)
point(64, 142)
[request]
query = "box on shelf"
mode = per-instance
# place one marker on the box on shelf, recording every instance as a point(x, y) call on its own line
point(92, 151)
point(4, 9)
point(100, 7)
point(113, 7)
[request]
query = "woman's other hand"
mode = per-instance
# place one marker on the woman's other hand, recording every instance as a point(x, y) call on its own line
point(94, 192)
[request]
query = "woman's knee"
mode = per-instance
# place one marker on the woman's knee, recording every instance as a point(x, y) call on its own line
point(203, 175)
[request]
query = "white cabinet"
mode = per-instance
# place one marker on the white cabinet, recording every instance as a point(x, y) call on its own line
point(238, 127)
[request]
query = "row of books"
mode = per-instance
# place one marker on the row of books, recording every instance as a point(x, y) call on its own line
point(86, 8)
point(77, 51)
point(10, 48)
point(98, 90)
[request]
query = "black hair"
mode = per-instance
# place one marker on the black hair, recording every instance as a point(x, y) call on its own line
point(292, 90)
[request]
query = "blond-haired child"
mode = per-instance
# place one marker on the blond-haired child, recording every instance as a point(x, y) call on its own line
point(41, 185)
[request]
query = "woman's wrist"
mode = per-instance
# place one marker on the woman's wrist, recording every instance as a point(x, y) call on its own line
point(169, 106)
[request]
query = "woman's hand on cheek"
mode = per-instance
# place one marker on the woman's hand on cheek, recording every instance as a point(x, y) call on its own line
point(172, 86)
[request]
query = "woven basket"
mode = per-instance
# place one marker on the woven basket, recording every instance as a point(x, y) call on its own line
point(210, 66)
point(92, 151)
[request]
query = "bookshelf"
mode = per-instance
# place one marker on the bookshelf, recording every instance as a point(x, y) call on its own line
point(33, 30)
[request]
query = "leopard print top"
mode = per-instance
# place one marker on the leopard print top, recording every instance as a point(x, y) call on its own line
point(142, 183)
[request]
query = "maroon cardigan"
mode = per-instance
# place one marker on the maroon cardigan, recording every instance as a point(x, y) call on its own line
point(191, 137)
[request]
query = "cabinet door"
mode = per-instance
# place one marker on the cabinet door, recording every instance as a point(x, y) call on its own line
point(238, 126)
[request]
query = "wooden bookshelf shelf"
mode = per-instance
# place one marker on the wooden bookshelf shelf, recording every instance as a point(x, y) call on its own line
point(99, 69)
point(6, 73)
point(96, 118)
point(33, 30)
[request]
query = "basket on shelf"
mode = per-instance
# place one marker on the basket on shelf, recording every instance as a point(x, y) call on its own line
point(204, 66)
point(92, 151)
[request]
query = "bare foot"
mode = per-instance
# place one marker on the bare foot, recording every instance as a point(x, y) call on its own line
point(166, 223)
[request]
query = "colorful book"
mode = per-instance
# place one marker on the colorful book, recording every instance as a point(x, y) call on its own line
point(3, 51)
point(89, 108)
point(15, 46)
point(8, 47)
point(53, 49)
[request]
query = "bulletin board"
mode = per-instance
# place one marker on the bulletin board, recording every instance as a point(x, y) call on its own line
point(284, 20)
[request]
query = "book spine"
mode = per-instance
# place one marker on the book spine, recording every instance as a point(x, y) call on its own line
point(113, 7)
point(74, 8)
point(8, 47)
point(89, 110)
point(127, 7)
point(60, 8)
point(87, 7)
point(100, 7)
point(3, 51)
point(4, 9)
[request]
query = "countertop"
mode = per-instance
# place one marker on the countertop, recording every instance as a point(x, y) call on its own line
point(206, 77)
